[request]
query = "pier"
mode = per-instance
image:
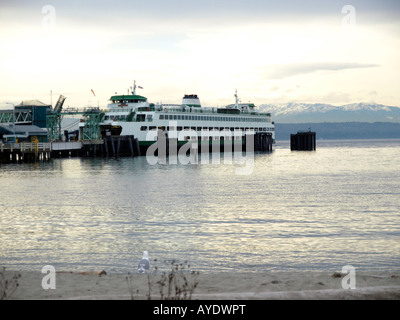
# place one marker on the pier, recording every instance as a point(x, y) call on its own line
point(303, 141)
point(24, 152)
point(263, 142)
point(121, 145)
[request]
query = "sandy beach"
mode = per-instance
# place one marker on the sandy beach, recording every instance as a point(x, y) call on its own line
point(222, 286)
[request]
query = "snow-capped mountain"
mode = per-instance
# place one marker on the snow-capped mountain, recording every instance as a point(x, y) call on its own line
point(317, 112)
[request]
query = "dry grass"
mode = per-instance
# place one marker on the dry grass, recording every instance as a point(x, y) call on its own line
point(177, 284)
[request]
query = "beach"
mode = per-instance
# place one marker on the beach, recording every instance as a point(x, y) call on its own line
point(98, 285)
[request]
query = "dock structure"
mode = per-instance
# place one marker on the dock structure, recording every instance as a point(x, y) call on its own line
point(263, 141)
point(121, 146)
point(24, 152)
point(303, 141)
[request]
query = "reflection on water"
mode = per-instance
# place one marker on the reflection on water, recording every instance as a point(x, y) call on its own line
point(297, 211)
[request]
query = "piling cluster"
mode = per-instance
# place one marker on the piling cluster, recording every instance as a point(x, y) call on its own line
point(303, 140)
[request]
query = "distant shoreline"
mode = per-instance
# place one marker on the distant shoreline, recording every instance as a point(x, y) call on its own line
point(341, 130)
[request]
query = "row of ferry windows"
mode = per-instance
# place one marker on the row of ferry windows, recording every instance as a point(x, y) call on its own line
point(145, 128)
point(209, 118)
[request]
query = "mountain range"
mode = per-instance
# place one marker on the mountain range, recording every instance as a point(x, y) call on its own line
point(318, 112)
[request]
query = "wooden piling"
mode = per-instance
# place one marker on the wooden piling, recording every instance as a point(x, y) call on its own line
point(303, 140)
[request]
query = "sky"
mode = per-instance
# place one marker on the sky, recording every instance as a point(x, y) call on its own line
point(272, 52)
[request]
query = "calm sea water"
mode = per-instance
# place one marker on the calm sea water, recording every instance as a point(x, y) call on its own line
point(297, 211)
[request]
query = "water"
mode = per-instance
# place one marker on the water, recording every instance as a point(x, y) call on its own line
point(297, 211)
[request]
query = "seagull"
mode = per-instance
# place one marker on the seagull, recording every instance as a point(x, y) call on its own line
point(144, 264)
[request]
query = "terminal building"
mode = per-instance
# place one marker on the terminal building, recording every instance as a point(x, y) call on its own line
point(25, 123)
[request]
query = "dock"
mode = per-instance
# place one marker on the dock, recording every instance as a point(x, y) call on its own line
point(24, 152)
point(263, 141)
point(109, 146)
point(303, 141)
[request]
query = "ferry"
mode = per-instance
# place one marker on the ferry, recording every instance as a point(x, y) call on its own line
point(134, 115)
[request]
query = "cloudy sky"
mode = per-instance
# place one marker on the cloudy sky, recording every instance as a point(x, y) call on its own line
point(327, 51)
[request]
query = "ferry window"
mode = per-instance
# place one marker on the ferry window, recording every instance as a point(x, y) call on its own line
point(175, 117)
point(161, 117)
point(152, 128)
point(149, 116)
point(170, 128)
point(179, 117)
point(179, 128)
point(143, 128)
point(186, 128)
point(198, 128)
point(193, 128)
